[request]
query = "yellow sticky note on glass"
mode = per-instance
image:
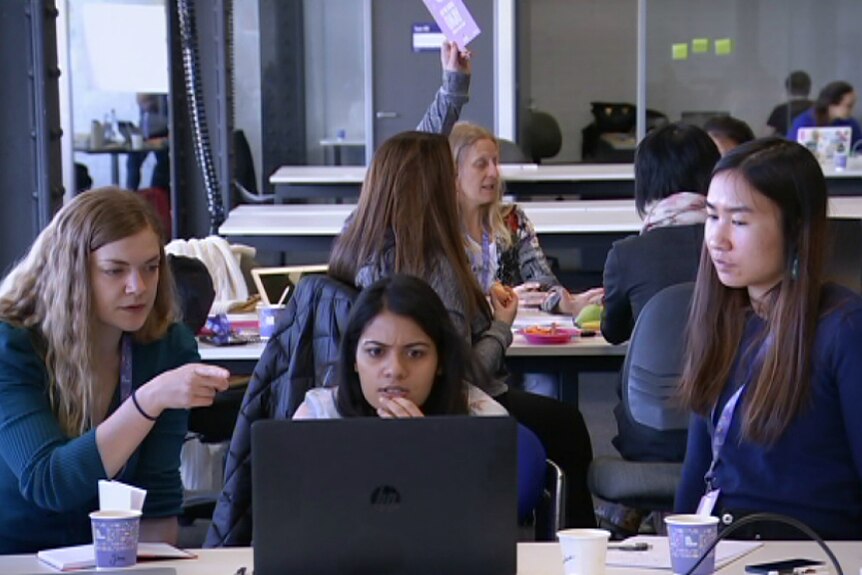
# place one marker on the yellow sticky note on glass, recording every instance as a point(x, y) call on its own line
point(679, 51)
point(700, 45)
point(723, 47)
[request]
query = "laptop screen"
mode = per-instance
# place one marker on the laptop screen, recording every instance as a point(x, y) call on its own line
point(276, 284)
point(364, 495)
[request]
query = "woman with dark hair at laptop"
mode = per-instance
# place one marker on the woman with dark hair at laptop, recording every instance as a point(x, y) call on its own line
point(833, 107)
point(400, 356)
point(407, 222)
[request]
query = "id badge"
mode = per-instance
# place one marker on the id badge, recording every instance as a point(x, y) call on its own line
point(708, 501)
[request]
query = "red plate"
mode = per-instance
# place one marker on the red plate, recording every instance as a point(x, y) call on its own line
point(562, 335)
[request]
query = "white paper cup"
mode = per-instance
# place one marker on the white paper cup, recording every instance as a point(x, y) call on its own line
point(137, 141)
point(584, 550)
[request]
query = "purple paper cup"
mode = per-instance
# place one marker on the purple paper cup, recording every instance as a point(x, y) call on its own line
point(689, 536)
point(267, 316)
point(115, 537)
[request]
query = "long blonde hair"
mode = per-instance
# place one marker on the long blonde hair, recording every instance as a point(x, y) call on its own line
point(49, 292)
point(463, 137)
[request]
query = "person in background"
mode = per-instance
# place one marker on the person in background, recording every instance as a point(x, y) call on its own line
point(154, 128)
point(96, 375)
point(407, 222)
point(728, 132)
point(672, 170)
point(400, 356)
point(673, 165)
point(798, 87)
point(773, 369)
point(833, 107)
point(502, 231)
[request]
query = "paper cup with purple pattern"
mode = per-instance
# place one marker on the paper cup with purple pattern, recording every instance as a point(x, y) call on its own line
point(115, 537)
point(688, 537)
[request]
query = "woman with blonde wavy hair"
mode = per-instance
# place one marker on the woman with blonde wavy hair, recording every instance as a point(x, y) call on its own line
point(96, 374)
point(501, 241)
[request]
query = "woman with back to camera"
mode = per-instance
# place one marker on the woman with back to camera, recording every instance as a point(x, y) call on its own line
point(96, 375)
point(407, 222)
point(773, 370)
point(833, 107)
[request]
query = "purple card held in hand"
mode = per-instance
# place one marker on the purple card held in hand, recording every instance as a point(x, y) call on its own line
point(455, 21)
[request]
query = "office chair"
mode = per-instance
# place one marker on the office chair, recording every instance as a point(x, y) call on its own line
point(542, 137)
point(244, 179)
point(650, 377)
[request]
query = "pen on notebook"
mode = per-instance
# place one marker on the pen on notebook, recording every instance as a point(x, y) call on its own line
point(629, 546)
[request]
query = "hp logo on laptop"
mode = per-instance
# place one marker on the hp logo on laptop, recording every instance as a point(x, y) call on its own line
point(385, 496)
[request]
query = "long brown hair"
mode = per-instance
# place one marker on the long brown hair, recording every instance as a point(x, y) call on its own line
point(409, 192)
point(789, 176)
point(49, 292)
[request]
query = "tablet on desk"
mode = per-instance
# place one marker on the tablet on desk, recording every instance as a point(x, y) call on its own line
point(275, 284)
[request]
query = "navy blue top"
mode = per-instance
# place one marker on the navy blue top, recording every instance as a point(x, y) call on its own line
point(806, 120)
point(813, 472)
point(48, 481)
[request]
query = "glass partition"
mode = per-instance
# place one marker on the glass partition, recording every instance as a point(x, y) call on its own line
point(706, 58)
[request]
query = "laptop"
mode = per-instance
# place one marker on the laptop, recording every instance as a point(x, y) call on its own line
point(385, 497)
point(829, 144)
point(276, 284)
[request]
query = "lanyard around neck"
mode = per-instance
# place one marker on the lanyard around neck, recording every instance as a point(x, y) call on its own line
point(722, 426)
point(486, 260)
point(125, 367)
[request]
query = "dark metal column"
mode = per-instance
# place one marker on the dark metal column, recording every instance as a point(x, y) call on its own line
point(31, 187)
point(213, 37)
point(282, 82)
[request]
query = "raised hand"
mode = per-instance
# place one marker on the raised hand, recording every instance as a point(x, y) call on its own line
point(454, 59)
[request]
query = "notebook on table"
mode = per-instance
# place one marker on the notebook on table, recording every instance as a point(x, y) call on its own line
point(365, 495)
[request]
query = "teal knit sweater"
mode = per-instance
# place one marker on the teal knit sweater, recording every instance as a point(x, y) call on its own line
point(48, 481)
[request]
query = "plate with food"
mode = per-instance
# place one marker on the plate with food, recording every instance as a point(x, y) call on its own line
point(548, 334)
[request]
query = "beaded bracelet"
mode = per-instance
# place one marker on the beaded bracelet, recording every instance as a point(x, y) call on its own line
point(141, 409)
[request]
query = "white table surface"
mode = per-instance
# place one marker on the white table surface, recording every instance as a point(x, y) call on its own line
point(533, 559)
point(510, 172)
point(579, 346)
point(565, 217)
point(571, 217)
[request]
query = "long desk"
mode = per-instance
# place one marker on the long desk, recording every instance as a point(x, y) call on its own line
point(312, 227)
point(566, 361)
point(587, 181)
point(533, 559)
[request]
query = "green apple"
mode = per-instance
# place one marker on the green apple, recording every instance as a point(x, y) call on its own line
point(589, 314)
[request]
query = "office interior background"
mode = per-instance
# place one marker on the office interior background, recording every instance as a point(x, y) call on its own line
point(293, 73)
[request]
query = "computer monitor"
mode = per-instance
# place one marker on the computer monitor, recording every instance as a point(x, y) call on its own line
point(276, 284)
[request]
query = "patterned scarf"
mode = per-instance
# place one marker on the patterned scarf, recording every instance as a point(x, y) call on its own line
point(680, 209)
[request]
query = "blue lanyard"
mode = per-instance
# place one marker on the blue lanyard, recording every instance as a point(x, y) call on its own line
point(486, 261)
point(722, 426)
point(125, 367)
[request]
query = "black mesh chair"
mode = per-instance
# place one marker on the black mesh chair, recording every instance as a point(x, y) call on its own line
point(650, 378)
point(541, 137)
